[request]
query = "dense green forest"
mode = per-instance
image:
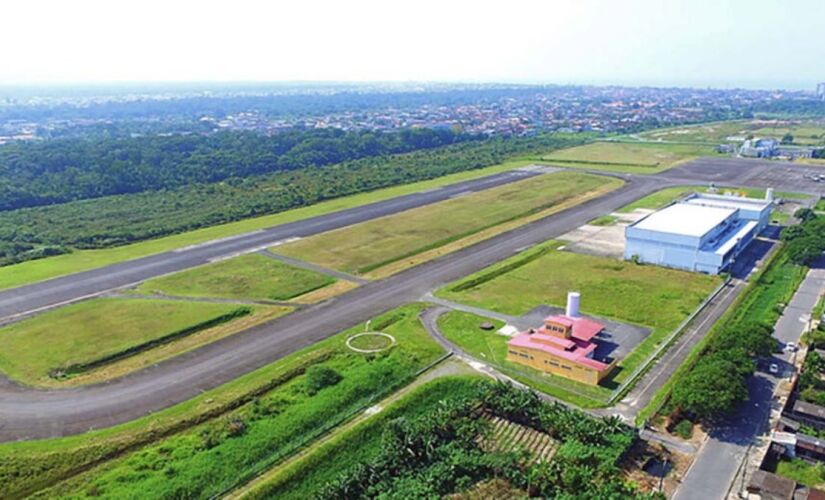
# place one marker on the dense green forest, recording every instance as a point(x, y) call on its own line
point(44, 173)
point(31, 233)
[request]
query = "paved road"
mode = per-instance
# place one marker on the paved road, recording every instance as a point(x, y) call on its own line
point(27, 413)
point(717, 463)
point(30, 298)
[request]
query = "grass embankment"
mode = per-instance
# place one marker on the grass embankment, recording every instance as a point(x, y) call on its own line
point(83, 260)
point(185, 451)
point(759, 302)
point(251, 277)
point(650, 296)
point(634, 158)
point(604, 220)
point(371, 245)
point(302, 478)
point(86, 335)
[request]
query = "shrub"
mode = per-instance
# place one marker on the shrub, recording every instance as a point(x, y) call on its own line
point(683, 429)
point(319, 376)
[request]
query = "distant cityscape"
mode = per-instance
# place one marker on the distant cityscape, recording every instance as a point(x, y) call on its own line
point(516, 110)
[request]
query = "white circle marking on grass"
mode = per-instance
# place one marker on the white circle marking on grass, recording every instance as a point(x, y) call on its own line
point(369, 351)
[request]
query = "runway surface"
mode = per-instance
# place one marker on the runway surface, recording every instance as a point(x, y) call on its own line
point(27, 413)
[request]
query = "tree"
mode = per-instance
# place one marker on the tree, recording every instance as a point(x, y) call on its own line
point(713, 388)
point(787, 138)
point(319, 376)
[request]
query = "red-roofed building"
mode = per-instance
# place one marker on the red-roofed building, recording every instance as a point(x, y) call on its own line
point(563, 346)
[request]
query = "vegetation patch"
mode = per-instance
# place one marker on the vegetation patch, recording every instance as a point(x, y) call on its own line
point(421, 449)
point(604, 220)
point(251, 277)
point(811, 475)
point(367, 246)
point(84, 335)
point(208, 458)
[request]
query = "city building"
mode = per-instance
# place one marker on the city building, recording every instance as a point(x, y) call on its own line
point(820, 90)
point(701, 232)
point(562, 346)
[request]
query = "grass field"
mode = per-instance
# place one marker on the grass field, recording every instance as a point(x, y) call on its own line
point(303, 478)
point(709, 133)
point(263, 417)
point(652, 296)
point(638, 158)
point(83, 260)
point(253, 277)
point(87, 331)
point(370, 245)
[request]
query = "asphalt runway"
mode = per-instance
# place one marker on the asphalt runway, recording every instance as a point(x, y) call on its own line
point(27, 413)
point(35, 297)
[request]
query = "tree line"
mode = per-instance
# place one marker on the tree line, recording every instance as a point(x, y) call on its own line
point(49, 172)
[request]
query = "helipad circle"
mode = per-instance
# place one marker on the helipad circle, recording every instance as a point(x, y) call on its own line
point(385, 343)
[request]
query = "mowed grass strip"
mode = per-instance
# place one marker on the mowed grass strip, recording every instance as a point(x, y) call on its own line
point(367, 246)
point(87, 331)
point(651, 296)
point(254, 277)
point(644, 158)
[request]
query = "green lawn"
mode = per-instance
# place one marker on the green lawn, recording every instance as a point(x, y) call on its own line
point(367, 246)
point(83, 260)
point(87, 331)
point(652, 296)
point(303, 478)
point(820, 205)
point(278, 415)
point(462, 329)
point(251, 276)
point(811, 475)
point(640, 158)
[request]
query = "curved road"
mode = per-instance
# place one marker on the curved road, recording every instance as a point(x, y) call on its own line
point(27, 413)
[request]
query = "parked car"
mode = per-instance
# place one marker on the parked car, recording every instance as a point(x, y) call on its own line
point(774, 368)
point(791, 347)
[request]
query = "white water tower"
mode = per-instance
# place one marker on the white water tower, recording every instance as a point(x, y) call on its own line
point(573, 299)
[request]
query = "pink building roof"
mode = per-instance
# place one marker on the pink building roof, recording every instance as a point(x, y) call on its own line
point(583, 328)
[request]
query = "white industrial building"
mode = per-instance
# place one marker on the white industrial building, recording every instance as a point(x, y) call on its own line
point(701, 232)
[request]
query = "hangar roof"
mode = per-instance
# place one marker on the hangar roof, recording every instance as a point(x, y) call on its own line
point(685, 219)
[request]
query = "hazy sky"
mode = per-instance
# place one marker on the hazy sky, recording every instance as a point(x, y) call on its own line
point(750, 43)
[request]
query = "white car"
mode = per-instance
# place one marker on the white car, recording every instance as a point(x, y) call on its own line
point(774, 368)
point(791, 347)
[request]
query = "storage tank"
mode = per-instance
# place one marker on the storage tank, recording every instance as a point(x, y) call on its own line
point(573, 304)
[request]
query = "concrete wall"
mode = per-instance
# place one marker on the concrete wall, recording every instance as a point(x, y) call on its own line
point(545, 362)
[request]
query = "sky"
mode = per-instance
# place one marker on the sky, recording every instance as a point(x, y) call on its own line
point(717, 43)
